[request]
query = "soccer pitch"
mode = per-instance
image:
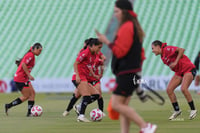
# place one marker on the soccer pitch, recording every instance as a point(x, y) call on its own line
point(52, 120)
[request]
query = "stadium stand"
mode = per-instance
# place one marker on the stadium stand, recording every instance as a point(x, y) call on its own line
point(63, 25)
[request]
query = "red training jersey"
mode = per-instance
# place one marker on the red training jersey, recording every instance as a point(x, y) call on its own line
point(169, 55)
point(98, 62)
point(86, 59)
point(29, 60)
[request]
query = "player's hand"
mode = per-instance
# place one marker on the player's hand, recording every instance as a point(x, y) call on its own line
point(31, 77)
point(102, 38)
point(172, 65)
point(96, 77)
point(78, 80)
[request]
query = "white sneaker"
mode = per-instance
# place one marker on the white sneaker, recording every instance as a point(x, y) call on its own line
point(77, 109)
point(65, 113)
point(82, 119)
point(151, 128)
point(175, 114)
point(104, 115)
point(193, 114)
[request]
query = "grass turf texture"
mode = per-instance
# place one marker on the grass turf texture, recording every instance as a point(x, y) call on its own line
point(52, 120)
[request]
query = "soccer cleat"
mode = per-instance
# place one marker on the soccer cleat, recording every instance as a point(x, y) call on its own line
point(65, 113)
point(151, 128)
point(29, 115)
point(77, 109)
point(82, 119)
point(6, 109)
point(104, 115)
point(193, 114)
point(175, 114)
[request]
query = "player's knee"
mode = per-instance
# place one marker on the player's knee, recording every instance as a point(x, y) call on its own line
point(169, 91)
point(183, 90)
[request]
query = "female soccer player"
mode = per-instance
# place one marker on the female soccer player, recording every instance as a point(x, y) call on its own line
point(76, 94)
point(82, 67)
point(184, 74)
point(22, 78)
point(94, 81)
point(126, 63)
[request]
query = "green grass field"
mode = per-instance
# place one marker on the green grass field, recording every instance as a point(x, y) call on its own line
point(54, 104)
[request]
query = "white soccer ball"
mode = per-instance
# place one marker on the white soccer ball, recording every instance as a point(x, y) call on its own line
point(36, 110)
point(96, 115)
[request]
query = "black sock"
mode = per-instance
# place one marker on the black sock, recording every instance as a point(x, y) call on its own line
point(14, 103)
point(30, 105)
point(86, 100)
point(71, 103)
point(93, 98)
point(176, 107)
point(100, 103)
point(191, 104)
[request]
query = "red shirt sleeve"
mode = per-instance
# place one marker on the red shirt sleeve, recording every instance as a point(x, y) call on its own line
point(82, 55)
point(123, 41)
point(27, 58)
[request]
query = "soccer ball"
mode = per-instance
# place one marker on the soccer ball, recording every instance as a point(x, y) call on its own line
point(96, 115)
point(36, 110)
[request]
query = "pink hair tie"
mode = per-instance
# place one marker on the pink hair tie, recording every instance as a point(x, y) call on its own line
point(164, 45)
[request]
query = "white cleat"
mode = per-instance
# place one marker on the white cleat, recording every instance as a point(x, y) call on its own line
point(151, 128)
point(193, 114)
point(65, 113)
point(82, 119)
point(104, 115)
point(175, 114)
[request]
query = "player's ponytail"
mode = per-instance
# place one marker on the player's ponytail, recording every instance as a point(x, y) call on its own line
point(36, 45)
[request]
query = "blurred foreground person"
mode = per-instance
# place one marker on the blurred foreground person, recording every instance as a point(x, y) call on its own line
point(126, 65)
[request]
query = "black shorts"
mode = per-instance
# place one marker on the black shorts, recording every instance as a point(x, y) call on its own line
point(21, 85)
point(194, 72)
point(75, 83)
point(93, 83)
point(126, 84)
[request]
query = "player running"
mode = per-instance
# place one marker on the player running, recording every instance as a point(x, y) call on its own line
point(184, 74)
point(22, 79)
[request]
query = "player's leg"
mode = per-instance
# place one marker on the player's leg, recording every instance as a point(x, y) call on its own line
point(25, 95)
point(85, 93)
point(187, 80)
point(31, 99)
point(100, 99)
point(76, 95)
point(174, 82)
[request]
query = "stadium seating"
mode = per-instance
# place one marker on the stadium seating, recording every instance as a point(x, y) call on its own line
point(61, 26)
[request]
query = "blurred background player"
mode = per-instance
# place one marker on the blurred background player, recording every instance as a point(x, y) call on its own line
point(197, 63)
point(126, 63)
point(184, 74)
point(82, 67)
point(22, 78)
